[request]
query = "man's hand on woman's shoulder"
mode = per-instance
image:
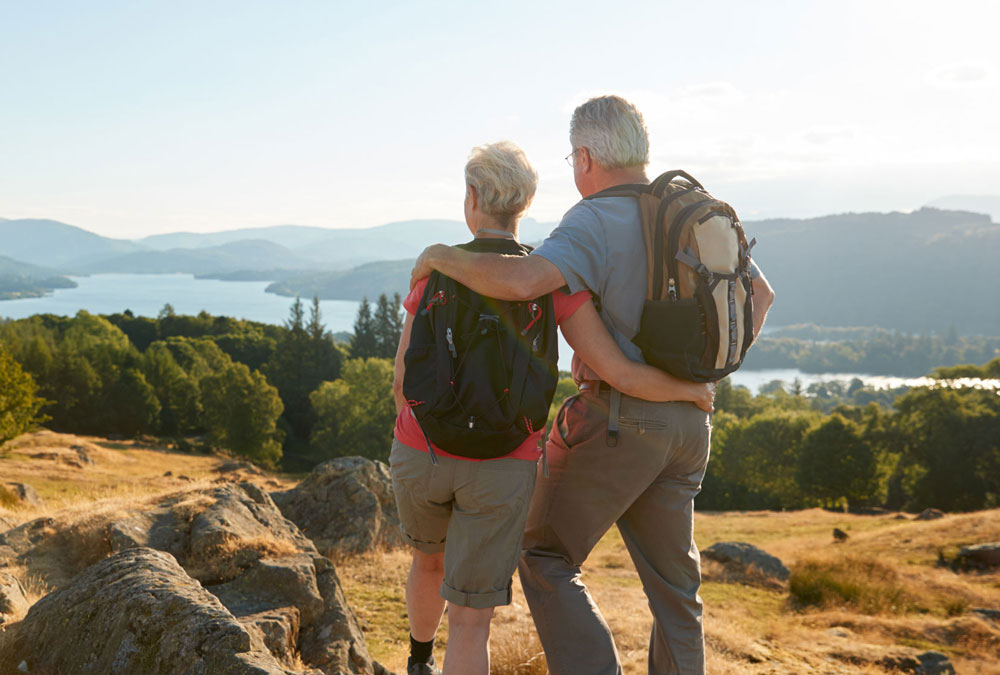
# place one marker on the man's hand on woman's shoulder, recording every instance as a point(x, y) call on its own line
point(424, 266)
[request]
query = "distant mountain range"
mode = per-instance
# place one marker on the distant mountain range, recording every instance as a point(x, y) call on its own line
point(286, 247)
point(916, 272)
point(988, 204)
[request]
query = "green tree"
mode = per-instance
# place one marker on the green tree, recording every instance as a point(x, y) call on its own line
point(754, 460)
point(241, 412)
point(305, 357)
point(951, 447)
point(356, 412)
point(836, 463)
point(19, 406)
point(296, 317)
point(316, 329)
point(132, 405)
point(364, 343)
point(388, 325)
point(178, 392)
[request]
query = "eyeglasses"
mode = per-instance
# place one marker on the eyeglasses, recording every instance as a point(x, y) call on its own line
point(569, 157)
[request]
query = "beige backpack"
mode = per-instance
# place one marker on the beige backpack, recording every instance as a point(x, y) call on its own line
point(697, 322)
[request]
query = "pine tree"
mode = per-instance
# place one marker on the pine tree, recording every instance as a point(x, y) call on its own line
point(296, 317)
point(388, 326)
point(364, 343)
point(316, 329)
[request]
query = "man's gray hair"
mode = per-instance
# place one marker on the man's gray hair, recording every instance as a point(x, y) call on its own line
point(504, 180)
point(613, 130)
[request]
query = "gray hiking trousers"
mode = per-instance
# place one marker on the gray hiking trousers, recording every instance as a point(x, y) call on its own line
point(645, 484)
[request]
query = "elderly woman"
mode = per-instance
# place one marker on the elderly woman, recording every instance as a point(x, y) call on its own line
point(464, 517)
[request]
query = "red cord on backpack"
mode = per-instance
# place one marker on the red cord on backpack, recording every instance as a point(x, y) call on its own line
point(438, 298)
point(532, 309)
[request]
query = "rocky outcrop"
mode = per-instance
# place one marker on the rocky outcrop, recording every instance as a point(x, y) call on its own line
point(346, 505)
point(13, 602)
point(24, 494)
point(6, 524)
point(929, 514)
point(749, 559)
point(247, 556)
point(135, 612)
point(982, 555)
point(19, 540)
point(925, 663)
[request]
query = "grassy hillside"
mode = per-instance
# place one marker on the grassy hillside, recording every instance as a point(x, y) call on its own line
point(898, 599)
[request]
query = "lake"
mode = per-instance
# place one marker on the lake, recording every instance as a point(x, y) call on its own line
point(146, 294)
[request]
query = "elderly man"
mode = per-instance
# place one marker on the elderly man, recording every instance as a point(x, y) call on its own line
point(646, 483)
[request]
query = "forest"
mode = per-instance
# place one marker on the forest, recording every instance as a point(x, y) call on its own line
point(290, 396)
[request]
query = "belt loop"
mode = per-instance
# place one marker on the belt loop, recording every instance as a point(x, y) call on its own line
point(613, 412)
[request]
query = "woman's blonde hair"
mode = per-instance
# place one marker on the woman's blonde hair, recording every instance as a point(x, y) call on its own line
point(503, 178)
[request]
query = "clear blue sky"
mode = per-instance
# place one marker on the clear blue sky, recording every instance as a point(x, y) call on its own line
point(132, 118)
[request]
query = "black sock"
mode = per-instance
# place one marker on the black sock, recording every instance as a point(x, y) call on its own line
point(421, 652)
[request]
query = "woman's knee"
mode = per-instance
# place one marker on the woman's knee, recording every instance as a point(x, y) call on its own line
point(428, 562)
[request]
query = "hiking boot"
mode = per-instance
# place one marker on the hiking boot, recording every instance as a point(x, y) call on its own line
point(422, 668)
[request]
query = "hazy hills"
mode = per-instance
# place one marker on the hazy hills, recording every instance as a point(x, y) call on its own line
point(918, 272)
point(19, 279)
point(287, 247)
point(988, 204)
point(924, 271)
point(55, 244)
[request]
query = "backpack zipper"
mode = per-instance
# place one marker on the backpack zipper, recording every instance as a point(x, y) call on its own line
point(451, 344)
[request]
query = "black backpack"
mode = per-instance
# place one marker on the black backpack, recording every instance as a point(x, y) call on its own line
point(480, 373)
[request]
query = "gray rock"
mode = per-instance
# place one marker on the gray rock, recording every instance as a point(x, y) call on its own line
point(25, 494)
point(12, 598)
point(230, 467)
point(16, 542)
point(983, 555)
point(135, 612)
point(82, 454)
point(248, 556)
point(346, 505)
point(934, 663)
point(839, 534)
point(926, 663)
point(990, 614)
point(929, 514)
point(747, 556)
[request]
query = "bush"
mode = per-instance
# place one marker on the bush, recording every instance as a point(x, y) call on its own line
point(865, 585)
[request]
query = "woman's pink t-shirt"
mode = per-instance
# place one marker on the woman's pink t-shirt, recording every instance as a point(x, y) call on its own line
point(408, 431)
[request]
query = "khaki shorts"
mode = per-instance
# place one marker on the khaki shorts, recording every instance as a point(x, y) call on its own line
point(478, 508)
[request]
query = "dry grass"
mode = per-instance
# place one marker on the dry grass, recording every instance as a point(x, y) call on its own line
point(753, 628)
point(264, 546)
point(865, 585)
point(750, 628)
point(120, 469)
